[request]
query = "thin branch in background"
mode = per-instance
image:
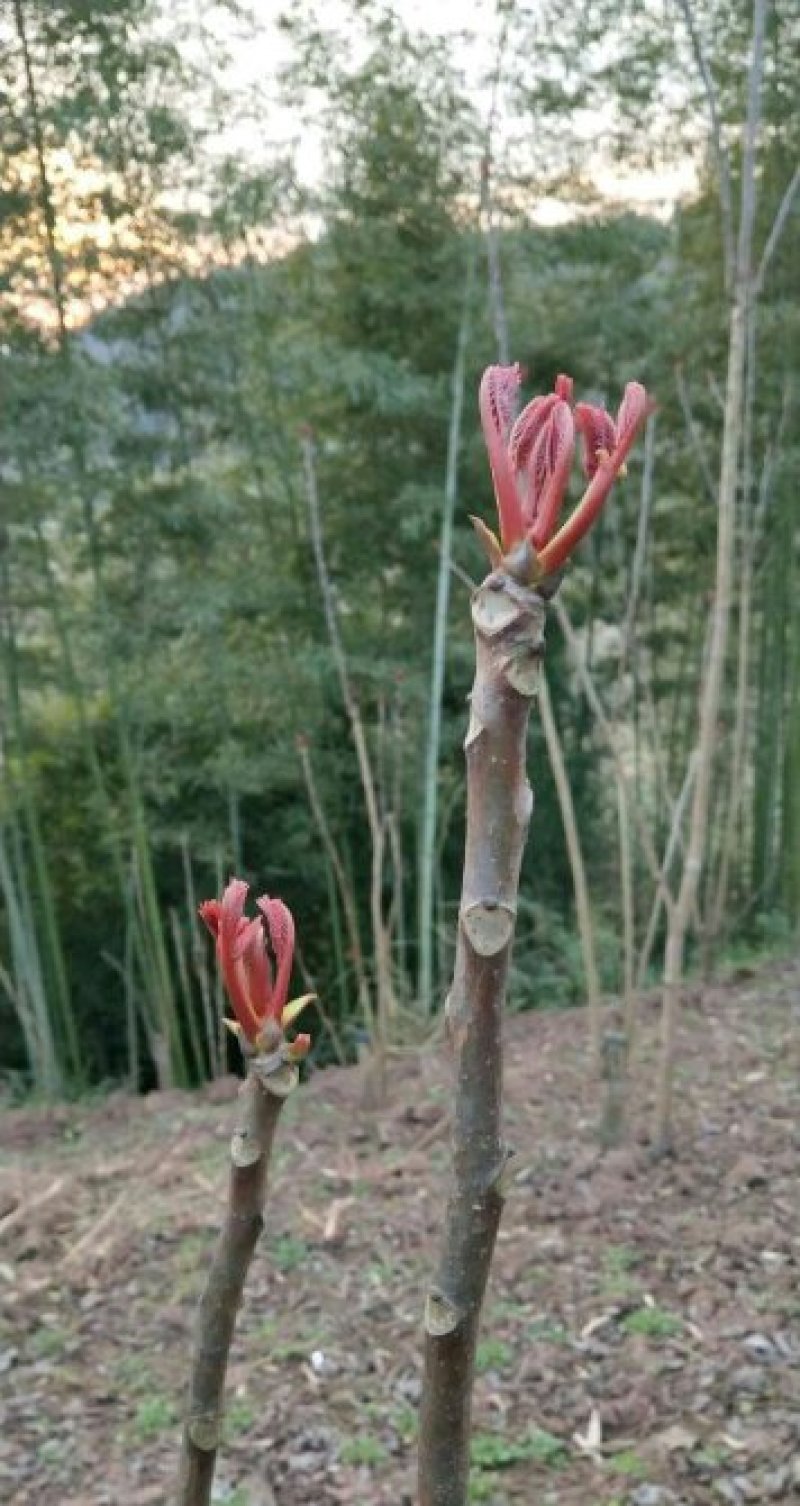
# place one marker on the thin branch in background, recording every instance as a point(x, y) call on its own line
point(674, 844)
point(179, 946)
point(430, 787)
point(310, 987)
point(642, 534)
point(720, 150)
point(461, 575)
point(395, 824)
point(778, 226)
point(713, 678)
point(497, 307)
point(752, 536)
point(694, 435)
point(216, 1058)
point(24, 985)
point(620, 772)
point(583, 911)
point(343, 885)
point(628, 921)
point(386, 1003)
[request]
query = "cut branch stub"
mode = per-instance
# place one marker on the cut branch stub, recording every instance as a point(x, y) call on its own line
point(204, 1430)
point(488, 926)
point(492, 610)
point(441, 1317)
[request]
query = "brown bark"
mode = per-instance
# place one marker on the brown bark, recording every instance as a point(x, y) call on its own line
point(509, 628)
point(259, 1107)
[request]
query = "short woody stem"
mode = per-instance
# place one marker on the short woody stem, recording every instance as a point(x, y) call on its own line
point(251, 1147)
point(509, 632)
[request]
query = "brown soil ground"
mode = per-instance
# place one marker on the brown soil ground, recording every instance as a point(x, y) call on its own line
point(641, 1342)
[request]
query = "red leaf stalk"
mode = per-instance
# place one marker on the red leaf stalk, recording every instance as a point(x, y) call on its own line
point(531, 464)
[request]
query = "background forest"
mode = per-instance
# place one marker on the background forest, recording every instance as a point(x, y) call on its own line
point(242, 328)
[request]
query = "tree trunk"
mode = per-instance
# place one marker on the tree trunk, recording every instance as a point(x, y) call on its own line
point(509, 626)
point(251, 1147)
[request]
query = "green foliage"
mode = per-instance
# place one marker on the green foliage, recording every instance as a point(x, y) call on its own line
point(362, 1450)
point(154, 1415)
point(239, 1417)
point(162, 642)
point(491, 1451)
point(493, 1354)
point(628, 1462)
point(288, 1252)
point(652, 1323)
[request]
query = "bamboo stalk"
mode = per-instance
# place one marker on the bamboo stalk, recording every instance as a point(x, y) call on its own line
point(343, 885)
point(430, 785)
point(386, 1002)
point(713, 678)
point(583, 911)
point(509, 626)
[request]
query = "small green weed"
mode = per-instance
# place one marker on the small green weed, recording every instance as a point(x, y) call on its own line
point(548, 1332)
point(710, 1456)
point(404, 1422)
point(51, 1452)
point(628, 1463)
point(493, 1451)
point(363, 1450)
point(484, 1488)
point(492, 1354)
point(132, 1374)
point(266, 1331)
point(192, 1250)
point(239, 1417)
point(47, 1342)
point(652, 1323)
point(289, 1349)
point(288, 1252)
point(154, 1415)
point(619, 1259)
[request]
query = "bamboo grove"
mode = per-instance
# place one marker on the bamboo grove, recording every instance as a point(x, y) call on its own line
point(238, 454)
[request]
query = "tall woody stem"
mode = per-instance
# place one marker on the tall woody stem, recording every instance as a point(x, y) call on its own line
point(260, 1103)
point(508, 618)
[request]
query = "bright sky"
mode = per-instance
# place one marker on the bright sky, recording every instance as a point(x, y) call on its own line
point(473, 28)
point(259, 121)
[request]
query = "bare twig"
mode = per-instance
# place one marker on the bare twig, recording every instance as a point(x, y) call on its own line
point(673, 844)
point(777, 229)
point(694, 434)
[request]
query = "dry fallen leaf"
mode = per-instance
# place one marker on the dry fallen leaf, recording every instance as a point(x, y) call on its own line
point(591, 1442)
